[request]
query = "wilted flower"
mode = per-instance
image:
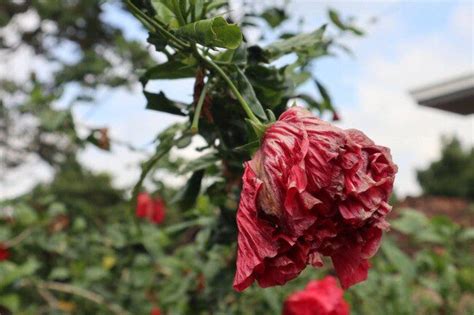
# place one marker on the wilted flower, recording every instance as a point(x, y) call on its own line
point(311, 190)
point(4, 253)
point(151, 208)
point(322, 297)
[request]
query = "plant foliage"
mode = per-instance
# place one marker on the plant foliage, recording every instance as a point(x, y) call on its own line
point(76, 246)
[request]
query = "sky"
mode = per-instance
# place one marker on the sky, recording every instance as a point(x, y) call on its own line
point(412, 44)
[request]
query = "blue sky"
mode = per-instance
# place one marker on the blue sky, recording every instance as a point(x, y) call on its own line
point(412, 44)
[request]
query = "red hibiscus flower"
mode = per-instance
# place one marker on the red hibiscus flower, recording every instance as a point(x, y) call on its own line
point(4, 253)
point(155, 311)
point(311, 190)
point(322, 297)
point(152, 209)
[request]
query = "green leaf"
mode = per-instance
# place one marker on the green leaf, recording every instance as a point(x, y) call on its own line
point(160, 102)
point(167, 140)
point(52, 120)
point(270, 83)
point(271, 115)
point(201, 163)
point(410, 222)
point(355, 30)
point(399, 260)
point(172, 69)
point(10, 272)
point(164, 13)
point(236, 56)
point(336, 20)
point(216, 4)
point(186, 197)
point(10, 301)
point(215, 32)
point(310, 101)
point(184, 141)
point(178, 227)
point(297, 76)
point(158, 41)
point(25, 215)
point(304, 43)
point(274, 16)
point(327, 103)
point(248, 93)
point(198, 7)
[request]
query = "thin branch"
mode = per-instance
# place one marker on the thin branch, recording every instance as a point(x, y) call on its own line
point(48, 297)
point(19, 238)
point(86, 294)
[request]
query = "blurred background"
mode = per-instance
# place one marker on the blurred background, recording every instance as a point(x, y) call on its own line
point(70, 91)
point(407, 45)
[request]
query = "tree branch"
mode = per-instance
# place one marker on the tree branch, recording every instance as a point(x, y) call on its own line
point(86, 294)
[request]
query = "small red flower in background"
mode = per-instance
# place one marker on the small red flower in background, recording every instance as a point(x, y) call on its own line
point(322, 297)
point(311, 190)
point(155, 311)
point(151, 208)
point(4, 253)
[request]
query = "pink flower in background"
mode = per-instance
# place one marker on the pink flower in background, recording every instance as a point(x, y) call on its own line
point(4, 253)
point(151, 208)
point(323, 297)
point(155, 311)
point(311, 190)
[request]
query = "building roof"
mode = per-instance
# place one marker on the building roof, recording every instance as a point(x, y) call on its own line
point(455, 95)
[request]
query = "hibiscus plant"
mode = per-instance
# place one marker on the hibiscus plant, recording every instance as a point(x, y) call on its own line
point(311, 190)
point(253, 203)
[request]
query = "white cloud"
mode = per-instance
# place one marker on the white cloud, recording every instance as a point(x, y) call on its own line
point(462, 21)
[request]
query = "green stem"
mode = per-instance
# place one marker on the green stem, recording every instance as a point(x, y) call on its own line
point(179, 14)
point(197, 113)
point(231, 85)
point(157, 25)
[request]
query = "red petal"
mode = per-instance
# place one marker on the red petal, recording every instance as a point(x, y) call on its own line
point(350, 261)
point(281, 269)
point(351, 268)
point(255, 242)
